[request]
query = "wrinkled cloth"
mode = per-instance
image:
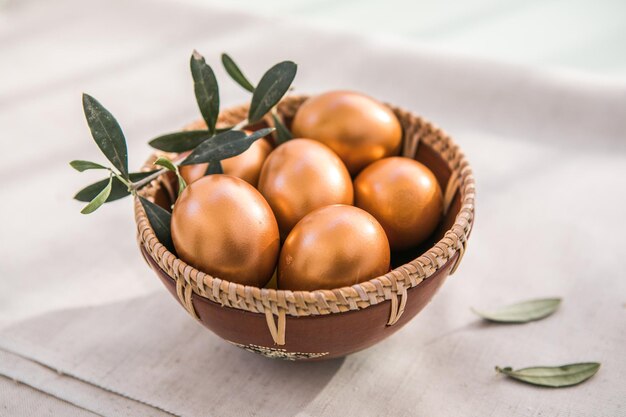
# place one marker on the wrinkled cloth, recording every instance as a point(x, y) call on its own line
point(85, 322)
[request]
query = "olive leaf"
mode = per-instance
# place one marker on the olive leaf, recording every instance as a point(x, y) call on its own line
point(282, 133)
point(169, 165)
point(522, 312)
point(224, 129)
point(183, 141)
point(81, 166)
point(272, 87)
point(107, 133)
point(99, 199)
point(165, 163)
point(553, 376)
point(180, 141)
point(160, 220)
point(224, 145)
point(215, 167)
point(235, 73)
point(206, 89)
point(118, 188)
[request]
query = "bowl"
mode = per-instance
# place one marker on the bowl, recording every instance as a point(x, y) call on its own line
point(325, 324)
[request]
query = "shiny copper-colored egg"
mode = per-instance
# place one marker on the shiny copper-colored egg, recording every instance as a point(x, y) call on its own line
point(358, 128)
point(404, 196)
point(300, 176)
point(223, 226)
point(246, 165)
point(333, 247)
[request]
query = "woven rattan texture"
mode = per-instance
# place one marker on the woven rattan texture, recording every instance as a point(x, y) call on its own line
point(391, 286)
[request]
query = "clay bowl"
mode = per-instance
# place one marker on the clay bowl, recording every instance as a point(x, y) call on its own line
point(315, 325)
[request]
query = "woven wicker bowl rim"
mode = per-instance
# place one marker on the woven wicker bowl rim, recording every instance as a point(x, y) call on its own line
point(391, 286)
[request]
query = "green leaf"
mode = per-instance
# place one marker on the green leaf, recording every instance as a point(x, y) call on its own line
point(166, 163)
point(553, 376)
point(160, 220)
point(235, 73)
point(272, 87)
point(223, 146)
point(283, 134)
point(98, 200)
point(81, 166)
point(118, 188)
point(169, 165)
point(107, 133)
point(215, 167)
point(224, 129)
point(182, 184)
point(180, 141)
point(206, 89)
point(522, 312)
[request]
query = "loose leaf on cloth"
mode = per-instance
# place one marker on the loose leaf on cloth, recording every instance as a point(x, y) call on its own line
point(160, 220)
point(99, 199)
point(272, 87)
point(206, 89)
point(118, 188)
point(522, 312)
point(81, 166)
point(107, 133)
point(235, 73)
point(180, 141)
point(553, 376)
point(224, 145)
point(283, 134)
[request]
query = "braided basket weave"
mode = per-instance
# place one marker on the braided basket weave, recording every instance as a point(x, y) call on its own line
point(308, 325)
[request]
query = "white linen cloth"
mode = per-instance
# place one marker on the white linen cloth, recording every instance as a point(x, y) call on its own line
point(84, 320)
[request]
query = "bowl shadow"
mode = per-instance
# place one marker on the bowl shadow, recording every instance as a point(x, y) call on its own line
point(148, 350)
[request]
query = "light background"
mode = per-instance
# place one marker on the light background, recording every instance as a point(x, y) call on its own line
point(534, 94)
point(574, 35)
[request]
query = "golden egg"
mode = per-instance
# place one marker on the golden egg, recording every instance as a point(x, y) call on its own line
point(332, 247)
point(358, 128)
point(404, 196)
point(223, 226)
point(246, 165)
point(300, 176)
